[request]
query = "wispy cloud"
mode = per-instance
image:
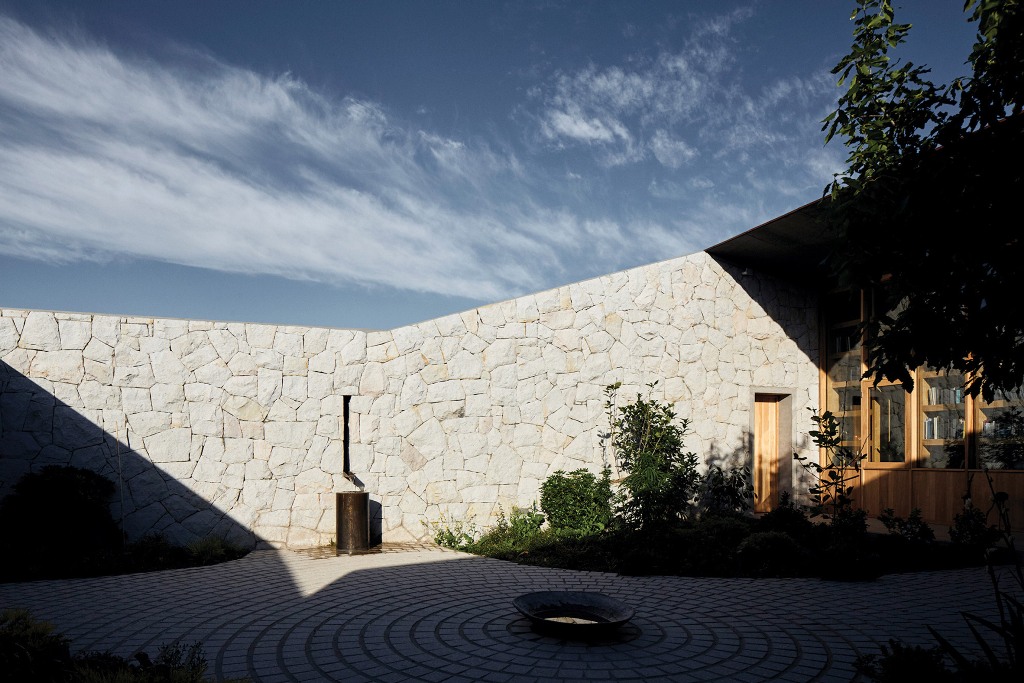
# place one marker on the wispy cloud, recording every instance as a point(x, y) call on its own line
point(224, 168)
point(189, 160)
point(692, 104)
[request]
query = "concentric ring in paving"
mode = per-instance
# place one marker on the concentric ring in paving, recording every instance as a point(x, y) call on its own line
point(431, 615)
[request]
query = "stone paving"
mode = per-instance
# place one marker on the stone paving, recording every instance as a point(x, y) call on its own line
point(420, 613)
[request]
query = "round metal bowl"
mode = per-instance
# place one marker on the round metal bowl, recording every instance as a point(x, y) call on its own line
point(573, 613)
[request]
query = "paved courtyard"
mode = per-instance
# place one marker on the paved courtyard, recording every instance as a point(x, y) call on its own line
point(419, 613)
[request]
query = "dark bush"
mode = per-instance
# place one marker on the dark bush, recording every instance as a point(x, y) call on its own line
point(972, 530)
point(31, 651)
point(772, 553)
point(788, 519)
point(55, 516)
point(912, 529)
point(724, 492)
point(661, 478)
point(56, 523)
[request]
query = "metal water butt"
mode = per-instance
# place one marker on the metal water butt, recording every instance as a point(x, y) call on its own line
point(353, 522)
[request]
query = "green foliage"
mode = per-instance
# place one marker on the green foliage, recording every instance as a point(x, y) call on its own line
point(453, 533)
point(57, 524)
point(832, 489)
point(1002, 642)
point(213, 550)
point(510, 536)
point(789, 519)
point(725, 492)
point(927, 160)
point(912, 528)
point(30, 650)
point(577, 501)
point(971, 529)
point(661, 479)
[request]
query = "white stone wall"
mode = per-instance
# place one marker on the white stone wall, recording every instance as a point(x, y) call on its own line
point(237, 427)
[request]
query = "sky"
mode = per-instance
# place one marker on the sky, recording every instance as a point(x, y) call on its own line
point(375, 164)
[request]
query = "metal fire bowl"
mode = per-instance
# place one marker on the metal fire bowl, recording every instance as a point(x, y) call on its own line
point(573, 613)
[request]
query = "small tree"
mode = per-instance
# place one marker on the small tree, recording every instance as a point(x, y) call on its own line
point(661, 478)
point(832, 490)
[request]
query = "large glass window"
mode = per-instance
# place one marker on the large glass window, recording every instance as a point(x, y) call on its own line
point(888, 413)
point(844, 366)
point(942, 420)
point(999, 426)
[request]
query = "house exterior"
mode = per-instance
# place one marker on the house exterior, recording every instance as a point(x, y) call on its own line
point(249, 430)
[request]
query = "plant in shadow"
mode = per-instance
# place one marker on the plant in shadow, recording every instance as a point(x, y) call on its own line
point(724, 492)
point(661, 478)
point(833, 482)
point(69, 502)
point(30, 650)
point(911, 528)
point(1002, 660)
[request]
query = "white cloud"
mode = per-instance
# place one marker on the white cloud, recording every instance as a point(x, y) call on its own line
point(669, 151)
point(196, 162)
point(675, 107)
point(223, 168)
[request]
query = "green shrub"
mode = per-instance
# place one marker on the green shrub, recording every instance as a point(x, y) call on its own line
point(899, 663)
point(912, 529)
point(661, 479)
point(724, 492)
point(788, 519)
point(510, 537)
point(213, 550)
point(577, 501)
point(30, 650)
point(971, 528)
point(832, 488)
point(455, 534)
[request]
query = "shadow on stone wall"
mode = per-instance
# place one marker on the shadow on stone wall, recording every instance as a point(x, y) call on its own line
point(776, 298)
point(38, 429)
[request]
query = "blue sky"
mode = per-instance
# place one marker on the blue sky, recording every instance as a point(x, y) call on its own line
point(374, 164)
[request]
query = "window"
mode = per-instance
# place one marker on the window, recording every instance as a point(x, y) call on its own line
point(999, 426)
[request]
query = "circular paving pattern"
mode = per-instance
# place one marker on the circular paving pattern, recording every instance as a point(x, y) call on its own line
point(425, 615)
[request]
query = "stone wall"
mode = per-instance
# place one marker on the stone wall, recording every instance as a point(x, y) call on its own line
point(237, 428)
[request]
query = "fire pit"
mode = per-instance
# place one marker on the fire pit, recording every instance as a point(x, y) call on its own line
point(573, 613)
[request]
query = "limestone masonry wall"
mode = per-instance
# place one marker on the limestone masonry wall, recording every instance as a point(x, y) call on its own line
point(237, 428)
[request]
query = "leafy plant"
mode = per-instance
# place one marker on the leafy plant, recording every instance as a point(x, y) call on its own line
point(1004, 661)
point(577, 501)
point(832, 489)
point(725, 492)
point(926, 159)
point(661, 478)
point(30, 650)
point(971, 529)
point(913, 528)
point(510, 536)
point(455, 534)
point(787, 518)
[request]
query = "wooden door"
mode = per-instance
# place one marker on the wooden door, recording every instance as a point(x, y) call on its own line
point(766, 451)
